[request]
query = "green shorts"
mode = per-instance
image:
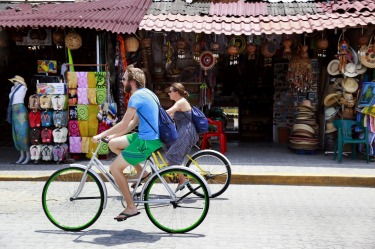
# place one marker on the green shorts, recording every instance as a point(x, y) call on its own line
point(139, 150)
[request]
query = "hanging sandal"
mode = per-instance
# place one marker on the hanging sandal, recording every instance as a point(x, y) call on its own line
point(142, 179)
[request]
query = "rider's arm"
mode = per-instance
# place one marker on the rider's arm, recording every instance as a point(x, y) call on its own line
point(176, 107)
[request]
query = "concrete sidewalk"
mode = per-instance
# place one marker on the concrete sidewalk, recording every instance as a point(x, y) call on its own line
point(252, 163)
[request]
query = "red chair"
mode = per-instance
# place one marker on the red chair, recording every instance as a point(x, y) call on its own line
point(218, 133)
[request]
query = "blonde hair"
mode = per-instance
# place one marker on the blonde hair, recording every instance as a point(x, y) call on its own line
point(137, 75)
point(178, 87)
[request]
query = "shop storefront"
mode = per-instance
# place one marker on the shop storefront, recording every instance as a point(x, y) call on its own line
point(263, 64)
point(264, 69)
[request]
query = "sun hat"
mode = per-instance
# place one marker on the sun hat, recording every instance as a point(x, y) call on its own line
point(332, 99)
point(361, 69)
point(330, 112)
point(306, 103)
point(330, 127)
point(350, 85)
point(18, 79)
point(350, 70)
point(333, 67)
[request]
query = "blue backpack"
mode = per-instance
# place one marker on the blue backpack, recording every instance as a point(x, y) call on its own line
point(198, 119)
point(167, 128)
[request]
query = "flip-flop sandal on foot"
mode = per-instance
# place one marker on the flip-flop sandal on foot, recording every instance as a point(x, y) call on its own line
point(123, 216)
point(182, 186)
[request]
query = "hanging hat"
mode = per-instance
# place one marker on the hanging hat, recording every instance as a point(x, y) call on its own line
point(361, 69)
point(337, 83)
point(350, 85)
point(350, 70)
point(333, 67)
point(347, 100)
point(332, 99)
point(330, 112)
point(18, 79)
point(330, 127)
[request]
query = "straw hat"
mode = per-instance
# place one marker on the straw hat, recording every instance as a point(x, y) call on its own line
point(330, 112)
point(333, 67)
point(350, 85)
point(73, 40)
point(303, 127)
point(337, 83)
point(332, 99)
point(350, 70)
point(18, 79)
point(361, 69)
point(330, 127)
point(306, 103)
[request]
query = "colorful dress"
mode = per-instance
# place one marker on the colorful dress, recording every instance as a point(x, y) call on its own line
point(187, 138)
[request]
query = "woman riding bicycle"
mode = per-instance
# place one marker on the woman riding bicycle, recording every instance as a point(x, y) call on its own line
point(187, 135)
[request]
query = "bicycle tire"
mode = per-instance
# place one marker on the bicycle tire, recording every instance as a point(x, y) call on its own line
point(183, 215)
point(67, 214)
point(216, 170)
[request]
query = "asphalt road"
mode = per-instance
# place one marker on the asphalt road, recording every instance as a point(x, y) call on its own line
point(245, 216)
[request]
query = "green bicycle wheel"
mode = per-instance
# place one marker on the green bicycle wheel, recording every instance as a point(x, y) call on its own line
point(182, 214)
point(66, 212)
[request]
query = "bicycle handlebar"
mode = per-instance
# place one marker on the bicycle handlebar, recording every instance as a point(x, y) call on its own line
point(105, 140)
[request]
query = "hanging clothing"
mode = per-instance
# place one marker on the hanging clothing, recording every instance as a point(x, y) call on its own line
point(20, 127)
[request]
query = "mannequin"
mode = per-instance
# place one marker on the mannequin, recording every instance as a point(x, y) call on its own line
point(18, 117)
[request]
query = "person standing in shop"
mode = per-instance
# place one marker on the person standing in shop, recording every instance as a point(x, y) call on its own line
point(17, 116)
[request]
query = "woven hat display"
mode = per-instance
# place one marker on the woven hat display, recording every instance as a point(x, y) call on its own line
point(306, 103)
point(367, 54)
point(73, 40)
point(350, 85)
point(131, 44)
point(347, 100)
point(333, 67)
point(332, 99)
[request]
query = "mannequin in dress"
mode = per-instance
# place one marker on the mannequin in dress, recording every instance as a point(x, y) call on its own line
point(18, 117)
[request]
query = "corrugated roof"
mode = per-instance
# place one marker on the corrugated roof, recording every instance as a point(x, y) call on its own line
point(117, 16)
point(284, 9)
point(255, 25)
point(347, 6)
point(239, 8)
point(179, 7)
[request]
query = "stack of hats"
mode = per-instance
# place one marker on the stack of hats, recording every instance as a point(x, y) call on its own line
point(305, 130)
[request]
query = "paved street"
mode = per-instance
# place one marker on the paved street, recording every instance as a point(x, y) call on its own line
point(245, 216)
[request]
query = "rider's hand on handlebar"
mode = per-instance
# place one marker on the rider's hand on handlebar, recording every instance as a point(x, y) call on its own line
point(96, 138)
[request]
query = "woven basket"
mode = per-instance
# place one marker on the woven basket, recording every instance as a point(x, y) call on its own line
point(131, 44)
point(268, 49)
point(73, 40)
point(58, 37)
point(367, 55)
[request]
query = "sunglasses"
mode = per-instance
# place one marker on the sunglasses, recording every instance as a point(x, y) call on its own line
point(170, 91)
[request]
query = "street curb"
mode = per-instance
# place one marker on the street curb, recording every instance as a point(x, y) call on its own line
point(263, 179)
